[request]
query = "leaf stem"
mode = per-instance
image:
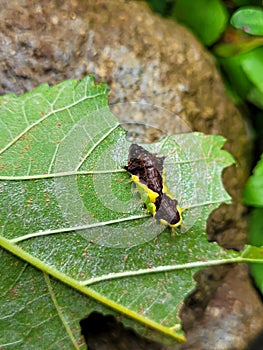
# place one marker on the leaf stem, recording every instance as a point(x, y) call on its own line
point(19, 252)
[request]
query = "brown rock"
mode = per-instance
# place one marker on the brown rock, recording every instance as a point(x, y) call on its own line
point(233, 311)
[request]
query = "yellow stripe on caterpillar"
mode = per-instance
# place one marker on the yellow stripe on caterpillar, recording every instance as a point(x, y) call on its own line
point(180, 210)
point(165, 187)
point(140, 186)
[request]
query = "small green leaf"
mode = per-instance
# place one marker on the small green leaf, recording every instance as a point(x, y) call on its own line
point(255, 96)
point(256, 271)
point(207, 18)
point(255, 251)
point(245, 74)
point(253, 192)
point(252, 65)
point(236, 75)
point(69, 210)
point(249, 19)
point(256, 227)
point(252, 195)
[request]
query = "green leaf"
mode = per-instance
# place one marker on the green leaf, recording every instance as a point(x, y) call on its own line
point(37, 311)
point(256, 227)
point(255, 96)
point(236, 75)
point(207, 18)
point(253, 196)
point(245, 73)
point(255, 256)
point(253, 192)
point(252, 65)
point(256, 271)
point(255, 252)
point(249, 19)
point(70, 211)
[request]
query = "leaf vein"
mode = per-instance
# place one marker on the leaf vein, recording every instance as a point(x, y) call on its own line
point(30, 127)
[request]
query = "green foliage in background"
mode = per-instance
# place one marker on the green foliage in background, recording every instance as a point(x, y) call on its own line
point(253, 196)
point(249, 19)
point(207, 18)
point(233, 31)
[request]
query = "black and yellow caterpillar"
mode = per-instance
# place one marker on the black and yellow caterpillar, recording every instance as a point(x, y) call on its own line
point(147, 174)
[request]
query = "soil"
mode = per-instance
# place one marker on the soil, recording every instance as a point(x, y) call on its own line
point(147, 59)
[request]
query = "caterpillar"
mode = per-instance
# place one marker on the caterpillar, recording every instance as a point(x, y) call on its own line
point(146, 170)
point(147, 174)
